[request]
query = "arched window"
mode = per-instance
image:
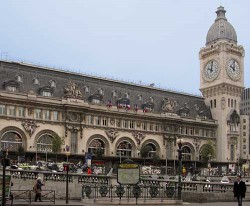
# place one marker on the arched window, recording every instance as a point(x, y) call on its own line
point(44, 143)
point(151, 149)
point(124, 149)
point(211, 104)
point(11, 140)
point(96, 146)
point(186, 153)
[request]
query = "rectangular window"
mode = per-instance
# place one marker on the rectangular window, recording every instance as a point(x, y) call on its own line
point(104, 121)
point(186, 130)
point(12, 110)
point(118, 123)
point(180, 130)
point(21, 112)
point(244, 134)
point(191, 131)
point(244, 126)
point(2, 109)
point(150, 127)
point(47, 114)
point(38, 113)
point(125, 124)
point(90, 119)
point(156, 127)
point(144, 126)
point(97, 121)
point(244, 146)
point(73, 143)
point(55, 115)
point(132, 124)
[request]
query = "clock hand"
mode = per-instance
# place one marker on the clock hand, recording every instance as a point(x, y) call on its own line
point(211, 67)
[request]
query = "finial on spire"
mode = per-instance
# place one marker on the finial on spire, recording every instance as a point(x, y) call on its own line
point(220, 13)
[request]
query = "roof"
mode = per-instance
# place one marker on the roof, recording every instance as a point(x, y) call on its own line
point(221, 29)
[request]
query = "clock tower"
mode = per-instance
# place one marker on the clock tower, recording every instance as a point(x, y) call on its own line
point(222, 83)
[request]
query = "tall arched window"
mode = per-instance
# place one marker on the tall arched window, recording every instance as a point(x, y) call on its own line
point(11, 140)
point(186, 153)
point(44, 143)
point(124, 149)
point(96, 146)
point(151, 149)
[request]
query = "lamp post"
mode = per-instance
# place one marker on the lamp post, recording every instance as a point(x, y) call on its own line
point(5, 162)
point(238, 160)
point(179, 143)
point(227, 166)
point(209, 165)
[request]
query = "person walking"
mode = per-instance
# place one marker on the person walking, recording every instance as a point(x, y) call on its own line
point(38, 189)
point(239, 190)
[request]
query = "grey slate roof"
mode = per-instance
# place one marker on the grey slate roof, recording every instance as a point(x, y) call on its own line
point(193, 105)
point(221, 29)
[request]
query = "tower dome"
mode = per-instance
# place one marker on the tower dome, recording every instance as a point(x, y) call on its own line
point(221, 28)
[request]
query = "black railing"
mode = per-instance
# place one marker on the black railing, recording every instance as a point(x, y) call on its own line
point(29, 196)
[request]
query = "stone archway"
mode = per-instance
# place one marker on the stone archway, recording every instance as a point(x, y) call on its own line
point(12, 138)
point(97, 142)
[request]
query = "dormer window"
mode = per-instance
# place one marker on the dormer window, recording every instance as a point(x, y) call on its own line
point(10, 88)
point(36, 81)
point(140, 97)
point(100, 91)
point(114, 93)
point(19, 78)
point(86, 89)
point(46, 93)
point(53, 84)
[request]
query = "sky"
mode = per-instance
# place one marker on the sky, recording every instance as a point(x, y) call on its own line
point(141, 41)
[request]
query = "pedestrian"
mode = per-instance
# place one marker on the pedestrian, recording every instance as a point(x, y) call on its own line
point(89, 171)
point(239, 190)
point(38, 189)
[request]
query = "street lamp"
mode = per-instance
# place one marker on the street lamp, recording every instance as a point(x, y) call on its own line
point(238, 160)
point(179, 143)
point(227, 166)
point(209, 165)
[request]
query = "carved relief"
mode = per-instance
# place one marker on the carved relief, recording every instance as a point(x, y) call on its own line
point(139, 136)
point(112, 134)
point(30, 126)
point(72, 91)
point(168, 105)
point(30, 111)
point(197, 143)
point(223, 103)
point(112, 121)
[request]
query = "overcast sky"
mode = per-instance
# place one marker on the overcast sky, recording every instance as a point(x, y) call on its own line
point(148, 41)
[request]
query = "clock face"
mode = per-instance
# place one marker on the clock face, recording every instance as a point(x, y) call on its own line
point(233, 69)
point(211, 70)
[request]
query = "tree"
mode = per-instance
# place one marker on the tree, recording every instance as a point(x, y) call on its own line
point(144, 152)
point(56, 144)
point(207, 151)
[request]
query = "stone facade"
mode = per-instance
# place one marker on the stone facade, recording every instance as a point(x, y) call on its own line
point(91, 113)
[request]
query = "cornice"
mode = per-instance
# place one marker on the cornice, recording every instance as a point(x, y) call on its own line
point(227, 89)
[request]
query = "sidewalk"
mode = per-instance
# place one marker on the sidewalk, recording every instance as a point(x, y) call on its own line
point(63, 202)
